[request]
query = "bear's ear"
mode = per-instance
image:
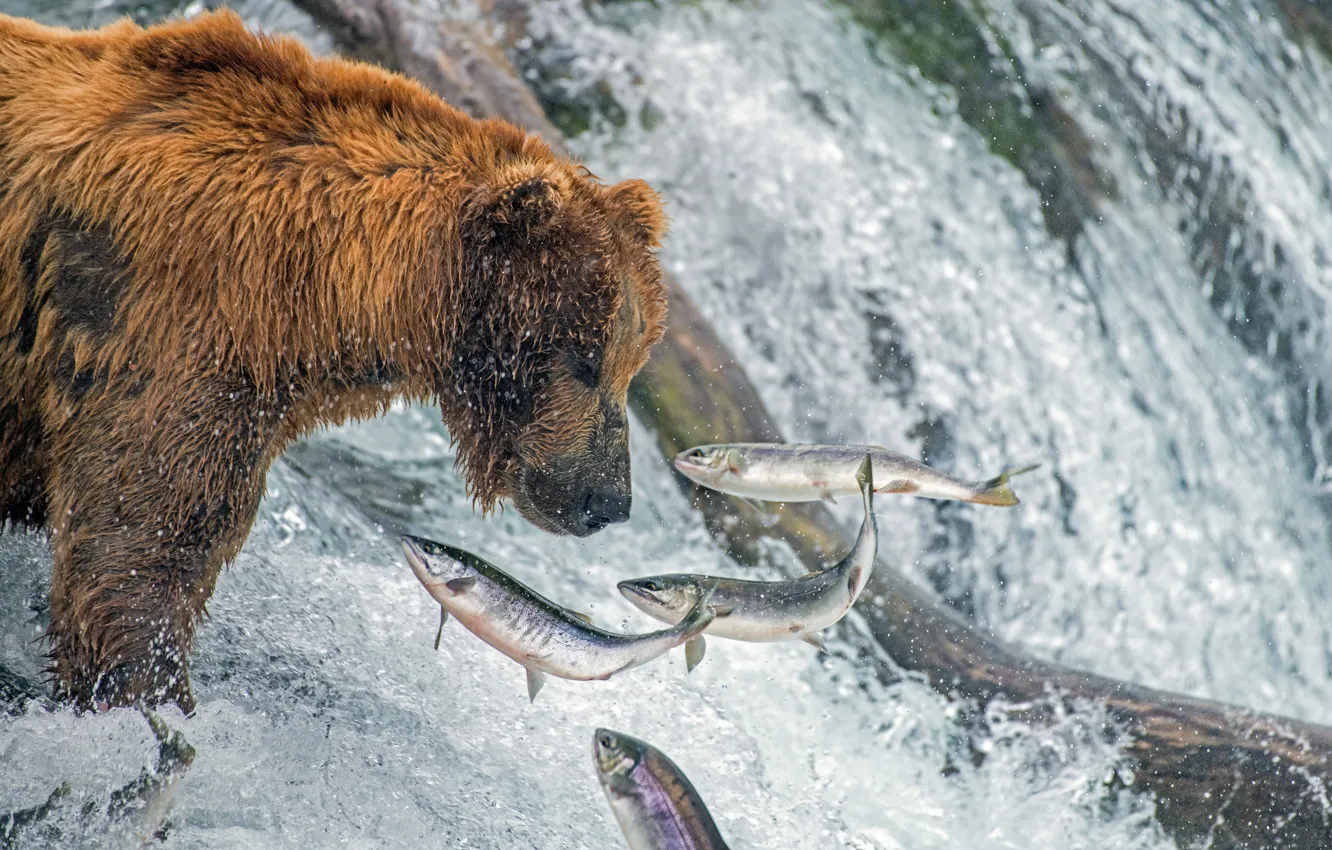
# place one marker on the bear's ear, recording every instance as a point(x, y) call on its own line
point(519, 200)
point(636, 206)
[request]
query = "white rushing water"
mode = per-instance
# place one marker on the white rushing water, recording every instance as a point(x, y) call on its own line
point(811, 184)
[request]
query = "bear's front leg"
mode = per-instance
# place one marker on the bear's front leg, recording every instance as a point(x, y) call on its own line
point(154, 485)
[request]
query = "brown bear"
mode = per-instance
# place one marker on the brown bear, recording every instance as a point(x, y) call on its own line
point(212, 242)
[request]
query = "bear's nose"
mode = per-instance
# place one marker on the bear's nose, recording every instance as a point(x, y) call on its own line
point(604, 507)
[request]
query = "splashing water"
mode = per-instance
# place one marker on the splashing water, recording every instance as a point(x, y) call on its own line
point(883, 278)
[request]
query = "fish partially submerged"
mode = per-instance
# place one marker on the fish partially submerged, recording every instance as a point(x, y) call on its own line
point(765, 611)
point(654, 803)
point(776, 472)
point(543, 637)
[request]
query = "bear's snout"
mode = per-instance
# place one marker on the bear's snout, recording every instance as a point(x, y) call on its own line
point(603, 507)
point(579, 494)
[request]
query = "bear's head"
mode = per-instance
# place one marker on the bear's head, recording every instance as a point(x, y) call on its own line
point(563, 298)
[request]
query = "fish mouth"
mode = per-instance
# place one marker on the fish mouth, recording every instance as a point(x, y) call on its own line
point(416, 558)
point(692, 464)
point(640, 596)
point(421, 554)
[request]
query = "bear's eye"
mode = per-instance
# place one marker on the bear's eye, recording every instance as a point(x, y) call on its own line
point(585, 370)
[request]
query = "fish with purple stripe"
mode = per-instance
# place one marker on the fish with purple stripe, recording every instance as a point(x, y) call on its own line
point(653, 801)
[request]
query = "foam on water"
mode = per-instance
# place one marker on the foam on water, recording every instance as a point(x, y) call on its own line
point(819, 195)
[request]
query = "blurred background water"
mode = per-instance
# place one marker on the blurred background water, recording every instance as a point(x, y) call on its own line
point(1093, 234)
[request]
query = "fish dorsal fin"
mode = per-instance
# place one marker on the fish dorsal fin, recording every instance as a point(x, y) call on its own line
point(443, 618)
point(535, 679)
point(584, 617)
point(695, 648)
point(461, 584)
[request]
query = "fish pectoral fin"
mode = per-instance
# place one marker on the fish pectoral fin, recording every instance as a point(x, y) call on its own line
point(695, 648)
point(584, 617)
point(735, 462)
point(460, 585)
point(443, 618)
point(720, 611)
point(814, 639)
point(753, 503)
point(827, 496)
point(535, 679)
point(900, 485)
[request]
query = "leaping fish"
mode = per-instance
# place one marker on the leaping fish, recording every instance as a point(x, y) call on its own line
point(540, 635)
point(653, 801)
point(776, 472)
point(765, 611)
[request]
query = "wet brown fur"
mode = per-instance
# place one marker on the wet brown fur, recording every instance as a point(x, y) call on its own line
point(212, 243)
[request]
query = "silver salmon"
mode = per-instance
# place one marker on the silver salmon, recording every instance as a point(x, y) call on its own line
point(764, 611)
point(540, 635)
point(654, 803)
point(776, 472)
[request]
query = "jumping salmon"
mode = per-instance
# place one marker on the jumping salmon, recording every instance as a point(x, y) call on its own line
point(776, 472)
point(771, 610)
point(654, 803)
point(540, 635)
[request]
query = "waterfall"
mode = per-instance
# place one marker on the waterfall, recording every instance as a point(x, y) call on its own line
point(889, 266)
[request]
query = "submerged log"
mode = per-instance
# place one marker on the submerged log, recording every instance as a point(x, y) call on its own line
point(1220, 774)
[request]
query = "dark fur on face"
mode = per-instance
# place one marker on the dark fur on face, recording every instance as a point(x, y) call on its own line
point(542, 414)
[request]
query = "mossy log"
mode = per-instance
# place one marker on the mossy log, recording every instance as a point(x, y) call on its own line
point(1221, 775)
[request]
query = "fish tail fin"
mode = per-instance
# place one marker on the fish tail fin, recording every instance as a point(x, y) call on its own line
point(998, 491)
point(702, 614)
point(865, 474)
point(694, 623)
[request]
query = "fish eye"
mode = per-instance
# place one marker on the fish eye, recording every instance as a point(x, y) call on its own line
point(605, 740)
point(651, 586)
point(694, 453)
